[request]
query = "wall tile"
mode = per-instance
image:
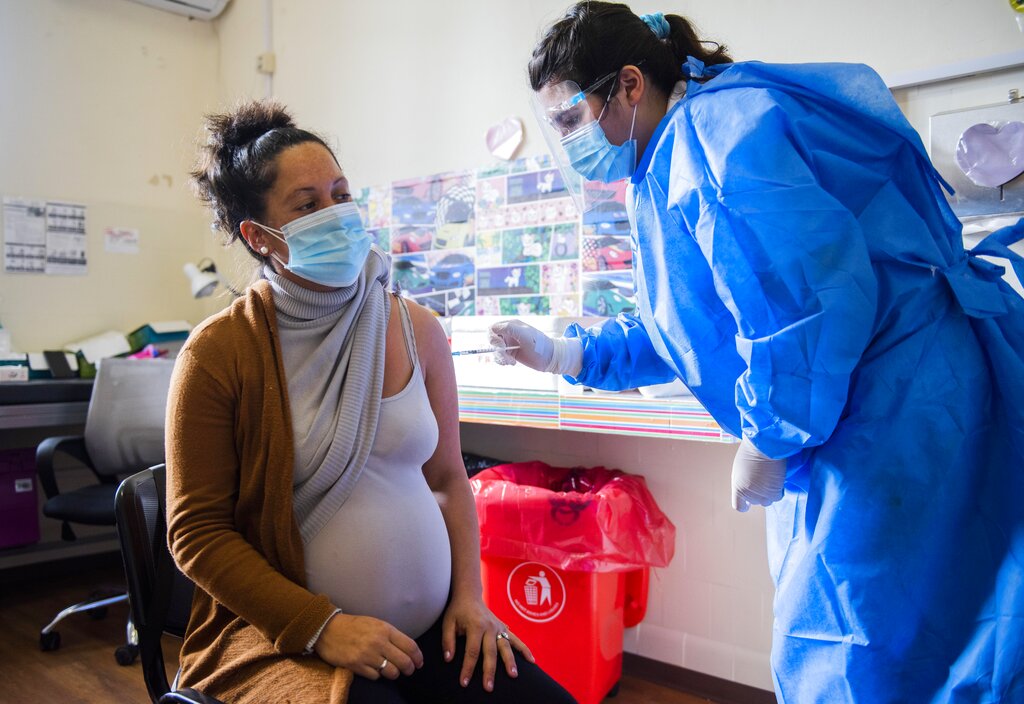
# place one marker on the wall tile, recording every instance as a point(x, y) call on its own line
point(631, 640)
point(709, 656)
point(687, 605)
point(753, 668)
point(661, 644)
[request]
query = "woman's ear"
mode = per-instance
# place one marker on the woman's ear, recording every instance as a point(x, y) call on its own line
point(633, 83)
point(253, 234)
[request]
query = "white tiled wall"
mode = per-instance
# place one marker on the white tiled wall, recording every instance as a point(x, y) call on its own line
point(710, 610)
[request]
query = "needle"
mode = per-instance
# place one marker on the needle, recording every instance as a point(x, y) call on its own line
point(484, 350)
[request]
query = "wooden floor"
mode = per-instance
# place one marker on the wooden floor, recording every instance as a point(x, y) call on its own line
point(83, 670)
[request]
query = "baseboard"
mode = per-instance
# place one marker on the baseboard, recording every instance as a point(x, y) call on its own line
point(693, 682)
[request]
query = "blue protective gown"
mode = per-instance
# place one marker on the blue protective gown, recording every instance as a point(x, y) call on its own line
point(798, 267)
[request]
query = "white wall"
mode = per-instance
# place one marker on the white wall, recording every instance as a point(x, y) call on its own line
point(409, 88)
point(101, 97)
point(892, 36)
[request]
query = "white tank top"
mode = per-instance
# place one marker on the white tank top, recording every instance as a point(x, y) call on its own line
point(386, 552)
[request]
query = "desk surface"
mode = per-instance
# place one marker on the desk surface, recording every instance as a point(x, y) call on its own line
point(13, 393)
point(44, 403)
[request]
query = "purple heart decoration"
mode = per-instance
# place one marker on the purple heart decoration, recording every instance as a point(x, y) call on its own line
point(505, 137)
point(990, 155)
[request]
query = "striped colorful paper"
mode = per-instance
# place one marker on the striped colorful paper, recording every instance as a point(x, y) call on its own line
point(622, 414)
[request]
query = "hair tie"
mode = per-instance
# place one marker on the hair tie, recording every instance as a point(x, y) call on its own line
point(658, 24)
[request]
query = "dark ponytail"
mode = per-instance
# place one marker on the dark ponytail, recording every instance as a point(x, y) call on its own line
point(595, 38)
point(237, 165)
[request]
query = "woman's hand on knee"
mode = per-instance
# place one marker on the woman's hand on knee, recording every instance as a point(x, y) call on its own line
point(487, 639)
point(368, 647)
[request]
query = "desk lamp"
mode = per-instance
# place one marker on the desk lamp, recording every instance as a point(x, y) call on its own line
point(202, 277)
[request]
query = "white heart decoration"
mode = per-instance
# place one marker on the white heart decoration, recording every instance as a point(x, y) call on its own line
point(505, 137)
point(989, 155)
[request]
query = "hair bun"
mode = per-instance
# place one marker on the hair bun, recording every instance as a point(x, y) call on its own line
point(246, 124)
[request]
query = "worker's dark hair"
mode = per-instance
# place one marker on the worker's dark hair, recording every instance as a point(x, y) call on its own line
point(237, 165)
point(595, 38)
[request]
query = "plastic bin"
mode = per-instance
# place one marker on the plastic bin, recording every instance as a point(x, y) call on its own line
point(566, 554)
point(19, 508)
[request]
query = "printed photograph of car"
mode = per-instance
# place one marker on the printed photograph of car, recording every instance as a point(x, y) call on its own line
point(608, 218)
point(603, 297)
point(455, 235)
point(412, 239)
point(456, 206)
point(411, 210)
point(449, 303)
point(451, 271)
point(613, 253)
point(410, 274)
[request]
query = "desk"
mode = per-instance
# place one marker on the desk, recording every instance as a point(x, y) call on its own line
point(38, 405)
point(42, 404)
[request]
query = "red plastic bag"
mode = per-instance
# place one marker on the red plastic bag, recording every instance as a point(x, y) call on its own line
point(588, 519)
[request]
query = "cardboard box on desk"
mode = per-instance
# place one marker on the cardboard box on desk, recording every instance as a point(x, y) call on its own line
point(472, 332)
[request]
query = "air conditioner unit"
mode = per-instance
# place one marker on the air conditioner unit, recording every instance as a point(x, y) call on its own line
point(193, 9)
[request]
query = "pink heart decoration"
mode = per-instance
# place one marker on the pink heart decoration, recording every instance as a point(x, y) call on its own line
point(989, 155)
point(505, 137)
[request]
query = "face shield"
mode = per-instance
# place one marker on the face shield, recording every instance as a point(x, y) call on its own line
point(562, 111)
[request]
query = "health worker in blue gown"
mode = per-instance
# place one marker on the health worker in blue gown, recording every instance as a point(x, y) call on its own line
point(798, 268)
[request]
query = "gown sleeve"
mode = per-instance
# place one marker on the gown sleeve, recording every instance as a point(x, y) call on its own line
point(788, 260)
point(618, 355)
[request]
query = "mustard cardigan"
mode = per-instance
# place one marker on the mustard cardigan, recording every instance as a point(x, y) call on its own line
point(229, 512)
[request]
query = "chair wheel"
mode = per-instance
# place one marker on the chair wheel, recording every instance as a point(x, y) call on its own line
point(126, 654)
point(98, 613)
point(49, 641)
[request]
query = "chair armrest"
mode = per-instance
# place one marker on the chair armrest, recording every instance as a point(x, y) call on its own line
point(188, 696)
point(73, 445)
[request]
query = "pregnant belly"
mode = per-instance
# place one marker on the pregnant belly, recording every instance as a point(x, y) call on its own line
point(385, 554)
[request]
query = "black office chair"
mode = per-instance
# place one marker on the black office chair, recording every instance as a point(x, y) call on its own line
point(124, 432)
point(160, 595)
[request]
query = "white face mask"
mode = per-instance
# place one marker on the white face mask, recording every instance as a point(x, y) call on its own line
point(328, 247)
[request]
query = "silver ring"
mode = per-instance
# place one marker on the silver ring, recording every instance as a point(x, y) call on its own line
point(502, 634)
point(383, 665)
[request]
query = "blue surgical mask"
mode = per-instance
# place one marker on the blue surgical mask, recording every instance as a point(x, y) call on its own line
point(595, 158)
point(328, 247)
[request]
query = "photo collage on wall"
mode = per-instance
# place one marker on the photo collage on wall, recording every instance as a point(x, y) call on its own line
point(506, 240)
point(606, 256)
